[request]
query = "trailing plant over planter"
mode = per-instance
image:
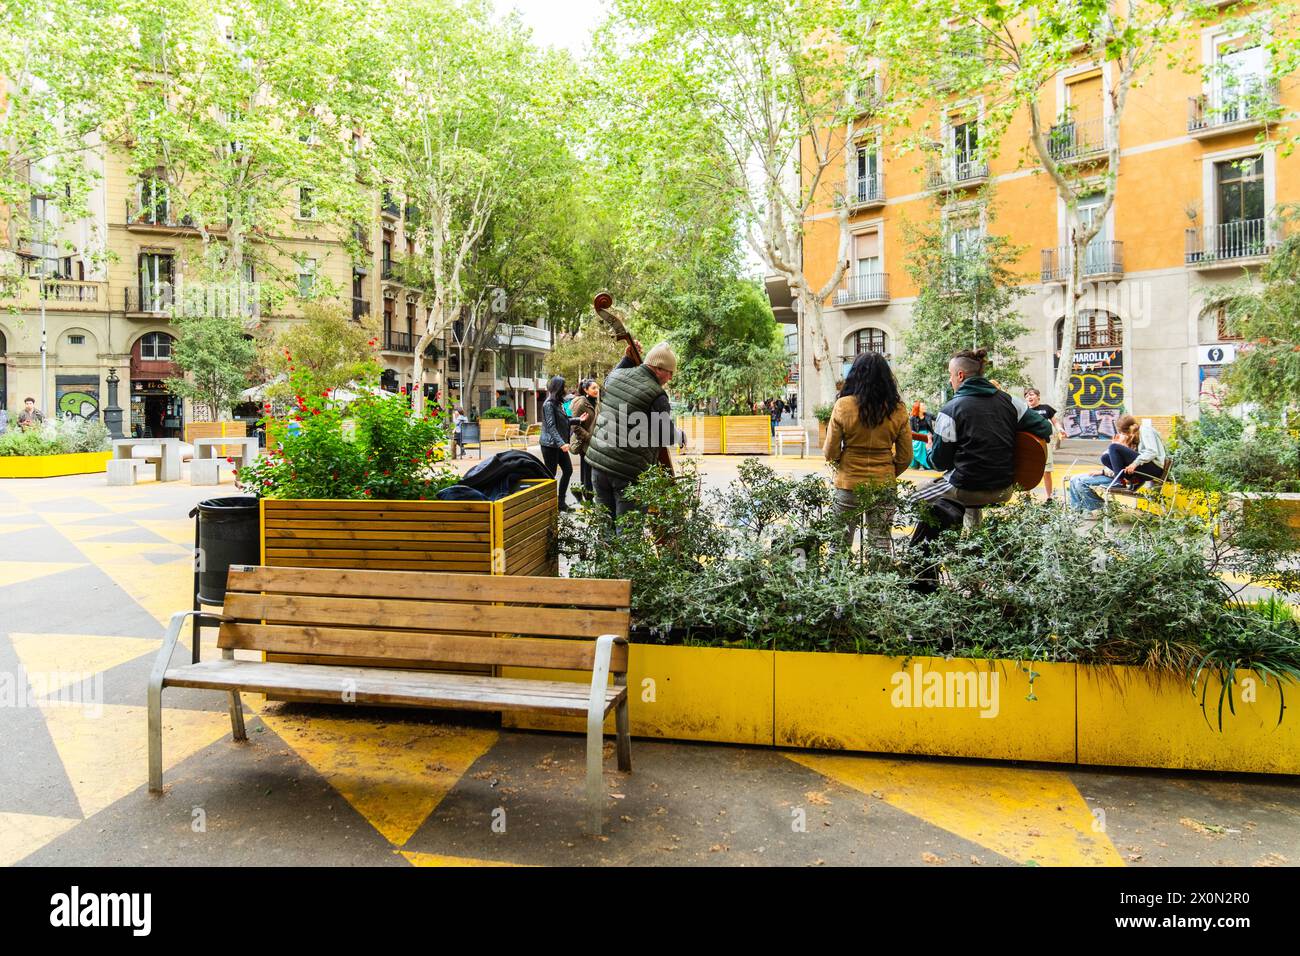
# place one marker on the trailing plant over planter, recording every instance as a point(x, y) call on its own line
point(374, 447)
point(762, 564)
point(1223, 453)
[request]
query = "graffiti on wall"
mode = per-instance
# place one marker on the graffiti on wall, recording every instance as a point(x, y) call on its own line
point(1096, 396)
point(77, 396)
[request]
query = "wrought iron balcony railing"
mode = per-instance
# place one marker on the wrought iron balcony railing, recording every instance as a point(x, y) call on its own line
point(1077, 139)
point(1101, 258)
point(1230, 241)
point(869, 288)
point(1248, 101)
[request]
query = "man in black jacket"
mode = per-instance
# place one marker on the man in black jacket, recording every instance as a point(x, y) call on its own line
point(975, 439)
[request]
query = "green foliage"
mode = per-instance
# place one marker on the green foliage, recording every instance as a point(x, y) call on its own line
point(216, 357)
point(326, 347)
point(373, 448)
point(965, 302)
point(588, 353)
point(1221, 452)
point(824, 412)
point(762, 564)
point(500, 411)
point(1267, 317)
point(56, 436)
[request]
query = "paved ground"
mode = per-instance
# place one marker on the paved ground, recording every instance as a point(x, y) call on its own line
point(89, 575)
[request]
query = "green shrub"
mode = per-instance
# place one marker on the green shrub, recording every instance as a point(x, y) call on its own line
point(56, 436)
point(824, 412)
point(498, 411)
point(1220, 452)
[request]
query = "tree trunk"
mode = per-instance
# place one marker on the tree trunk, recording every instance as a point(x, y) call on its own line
point(825, 363)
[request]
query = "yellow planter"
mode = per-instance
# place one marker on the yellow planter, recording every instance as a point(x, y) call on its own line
point(719, 694)
point(1130, 718)
point(54, 466)
point(925, 705)
point(727, 434)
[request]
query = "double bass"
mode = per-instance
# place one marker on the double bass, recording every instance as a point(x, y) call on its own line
point(604, 306)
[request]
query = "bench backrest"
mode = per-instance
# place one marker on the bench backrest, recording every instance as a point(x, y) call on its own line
point(492, 429)
point(425, 616)
point(792, 431)
point(511, 430)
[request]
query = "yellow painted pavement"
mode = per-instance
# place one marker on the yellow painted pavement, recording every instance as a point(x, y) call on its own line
point(18, 572)
point(393, 774)
point(1029, 815)
point(65, 659)
point(25, 833)
point(434, 859)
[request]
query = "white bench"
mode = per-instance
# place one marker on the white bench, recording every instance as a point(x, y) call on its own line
point(791, 435)
point(124, 471)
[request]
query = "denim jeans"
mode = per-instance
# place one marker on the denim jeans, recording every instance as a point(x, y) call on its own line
point(1082, 495)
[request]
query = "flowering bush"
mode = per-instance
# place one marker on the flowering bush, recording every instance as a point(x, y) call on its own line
point(375, 447)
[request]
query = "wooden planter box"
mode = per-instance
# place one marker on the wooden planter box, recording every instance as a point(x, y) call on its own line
point(54, 466)
point(728, 434)
point(228, 429)
point(514, 535)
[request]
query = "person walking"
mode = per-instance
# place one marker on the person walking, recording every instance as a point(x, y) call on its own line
point(458, 419)
point(583, 417)
point(556, 433)
point(869, 440)
point(1035, 401)
point(777, 410)
point(635, 421)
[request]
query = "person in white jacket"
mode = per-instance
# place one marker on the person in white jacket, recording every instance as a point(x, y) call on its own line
point(1137, 456)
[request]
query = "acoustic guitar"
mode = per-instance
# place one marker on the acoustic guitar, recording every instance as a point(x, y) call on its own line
point(604, 306)
point(1029, 459)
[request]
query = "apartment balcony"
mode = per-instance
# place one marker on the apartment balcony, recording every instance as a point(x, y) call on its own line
point(871, 288)
point(1078, 141)
point(958, 174)
point(523, 337)
point(148, 301)
point(399, 342)
point(1102, 261)
point(65, 295)
point(360, 309)
point(388, 207)
point(161, 215)
point(1235, 245)
point(867, 192)
point(1231, 111)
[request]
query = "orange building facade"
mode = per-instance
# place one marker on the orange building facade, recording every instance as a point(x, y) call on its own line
point(1196, 192)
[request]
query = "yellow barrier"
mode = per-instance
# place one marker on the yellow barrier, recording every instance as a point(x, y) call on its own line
point(54, 466)
point(727, 434)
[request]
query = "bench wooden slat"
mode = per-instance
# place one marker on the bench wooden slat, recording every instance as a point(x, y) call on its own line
point(305, 610)
point(425, 646)
point(380, 686)
point(439, 586)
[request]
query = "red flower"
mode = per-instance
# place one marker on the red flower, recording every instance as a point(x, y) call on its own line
point(315, 411)
point(366, 492)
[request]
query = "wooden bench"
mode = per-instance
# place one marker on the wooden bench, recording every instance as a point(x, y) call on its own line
point(532, 435)
point(492, 429)
point(510, 433)
point(408, 620)
point(791, 435)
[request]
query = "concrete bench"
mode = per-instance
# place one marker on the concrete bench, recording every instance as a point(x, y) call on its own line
point(124, 471)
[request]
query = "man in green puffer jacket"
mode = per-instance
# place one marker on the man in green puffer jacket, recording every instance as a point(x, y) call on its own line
point(635, 421)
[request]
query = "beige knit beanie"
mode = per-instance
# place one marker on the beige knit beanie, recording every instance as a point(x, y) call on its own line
point(662, 357)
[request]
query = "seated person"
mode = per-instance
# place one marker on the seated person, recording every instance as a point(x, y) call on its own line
point(1138, 455)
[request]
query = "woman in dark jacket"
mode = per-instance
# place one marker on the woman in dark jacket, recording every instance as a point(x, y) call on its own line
point(582, 415)
point(555, 437)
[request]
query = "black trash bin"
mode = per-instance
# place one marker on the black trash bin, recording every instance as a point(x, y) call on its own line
point(228, 533)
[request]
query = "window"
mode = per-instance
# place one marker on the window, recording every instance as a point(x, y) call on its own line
point(870, 340)
point(156, 275)
point(410, 316)
point(868, 168)
point(153, 201)
point(307, 278)
point(965, 146)
point(1240, 189)
point(1239, 77)
point(1222, 327)
point(1095, 330)
point(306, 203)
point(965, 239)
point(76, 340)
point(156, 347)
point(866, 254)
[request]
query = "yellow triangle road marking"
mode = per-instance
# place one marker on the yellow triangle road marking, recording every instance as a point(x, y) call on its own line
point(178, 532)
point(18, 572)
point(161, 589)
point(56, 661)
point(1027, 815)
point(434, 859)
point(393, 774)
point(11, 528)
point(22, 834)
point(84, 532)
point(106, 756)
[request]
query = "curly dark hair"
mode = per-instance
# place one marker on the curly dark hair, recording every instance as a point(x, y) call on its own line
point(871, 382)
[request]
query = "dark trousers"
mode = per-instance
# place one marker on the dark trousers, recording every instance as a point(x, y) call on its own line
point(1118, 457)
point(585, 476)
point(609, 494)
point(559, 458)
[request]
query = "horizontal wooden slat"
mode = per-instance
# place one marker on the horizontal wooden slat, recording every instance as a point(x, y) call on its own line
point(384, 518)
point(370, 564)
point(432, 527)
point(424, 615)
point(527, 553)
point(405, 645)
point(354, 660)
point(378, 686)
point(541, 528)
point(530, 499)
point(382, 544)
point(349, 535)
point(340, 504)
point(582, 592)
point(362, 554)
point(543, 509)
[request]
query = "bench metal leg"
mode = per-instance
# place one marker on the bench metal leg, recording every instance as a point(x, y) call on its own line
point(155, 737)
point(623, 725)
point(237, 717)
point(595, 778)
